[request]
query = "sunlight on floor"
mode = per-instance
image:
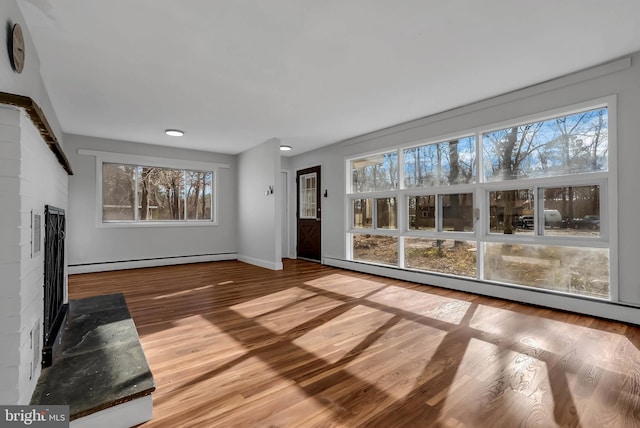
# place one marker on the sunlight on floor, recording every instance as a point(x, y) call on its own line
point(272, 302)
point(201, 355)
point(297, 313)
point(496, 378)
point(398, 379)
point(255, 387)
point(346, 285)
point(334, 339)
point(182, 292)
point(545, 360)
point(420, 303)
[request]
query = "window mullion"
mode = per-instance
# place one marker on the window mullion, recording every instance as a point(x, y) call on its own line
point(184, 192)
point(400, 170)
point(374, 214)
point(136, 199)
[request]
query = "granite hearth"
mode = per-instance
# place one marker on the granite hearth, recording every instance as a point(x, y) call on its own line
point(101, 363)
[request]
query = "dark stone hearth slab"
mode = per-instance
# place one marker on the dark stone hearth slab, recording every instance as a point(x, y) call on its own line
point(101, 362)
point(90, 305)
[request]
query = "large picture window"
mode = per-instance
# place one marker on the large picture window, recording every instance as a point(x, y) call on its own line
point(573, 144)
point(448, 162)
point(375, 173)
point(135, 193)
point(522, 203)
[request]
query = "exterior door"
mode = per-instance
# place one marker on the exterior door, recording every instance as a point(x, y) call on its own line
point(308, 213)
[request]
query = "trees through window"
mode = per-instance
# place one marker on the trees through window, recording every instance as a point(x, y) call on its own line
point(520, 204)
point(144, 193)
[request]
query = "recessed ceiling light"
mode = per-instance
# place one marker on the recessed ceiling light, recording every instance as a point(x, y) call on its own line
point(174, 132)
point(285, 148)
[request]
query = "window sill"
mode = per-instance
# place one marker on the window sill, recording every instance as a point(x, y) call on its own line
point(161, 224)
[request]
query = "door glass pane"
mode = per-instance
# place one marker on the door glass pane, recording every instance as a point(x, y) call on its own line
point(363, 213)
point(457, 212)
point(512, 211)
point(422, 212)
point(308, 196)
point(572, 211)
point(386, 213)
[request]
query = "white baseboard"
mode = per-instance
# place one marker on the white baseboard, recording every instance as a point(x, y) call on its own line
point(134, 264)
point(125, 415)
point(603, 309)
point(262, 263)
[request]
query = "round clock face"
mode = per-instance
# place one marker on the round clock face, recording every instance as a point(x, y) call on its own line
point(16, 51)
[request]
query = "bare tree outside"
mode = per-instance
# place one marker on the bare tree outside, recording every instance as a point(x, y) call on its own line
point(118, 192)
point(526, 209)
point(163, 194)
point(375, 173)
point(448, 162)
point(572, 144)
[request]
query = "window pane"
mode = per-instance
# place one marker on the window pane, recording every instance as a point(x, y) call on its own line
point(449, 162)
point(444, 256)
point(363, 213)
point(571, 144)
point(422, 212)
point(118, 192)
point(573, 211)
point(199, 192)
point(512, 211)
point(457, 212)
point(373, 173)
point(583, 271)
point(162, 193)
point(386, 213)
point(377, 249)
point(308, 196)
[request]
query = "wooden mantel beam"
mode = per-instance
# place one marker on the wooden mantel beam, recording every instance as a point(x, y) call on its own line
point(40, 121)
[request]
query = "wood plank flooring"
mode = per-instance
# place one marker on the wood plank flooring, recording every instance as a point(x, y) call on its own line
point(234, 345)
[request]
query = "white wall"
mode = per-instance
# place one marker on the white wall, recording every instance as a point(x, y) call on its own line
point(42, 182)
point(30, 177)
point(259, 233)
point(93, 247)
point(619, 77)
point(289, 217)
point(10, 322)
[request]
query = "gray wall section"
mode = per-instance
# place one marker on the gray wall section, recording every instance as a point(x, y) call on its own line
point(89, 243)
point(621, 78)
point(259, 234)
point(28, 83)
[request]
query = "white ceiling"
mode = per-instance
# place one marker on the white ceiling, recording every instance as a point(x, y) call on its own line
point(236, 73)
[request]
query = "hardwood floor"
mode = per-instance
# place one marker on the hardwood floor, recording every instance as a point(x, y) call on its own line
point(234, 345)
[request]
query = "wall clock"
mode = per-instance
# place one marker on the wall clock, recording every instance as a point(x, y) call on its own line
point(16, 49)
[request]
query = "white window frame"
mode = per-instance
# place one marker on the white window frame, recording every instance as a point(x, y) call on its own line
point(150, 161)
point(480, 189)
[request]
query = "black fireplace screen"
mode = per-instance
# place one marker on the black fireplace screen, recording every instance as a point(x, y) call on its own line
point(54, 307)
